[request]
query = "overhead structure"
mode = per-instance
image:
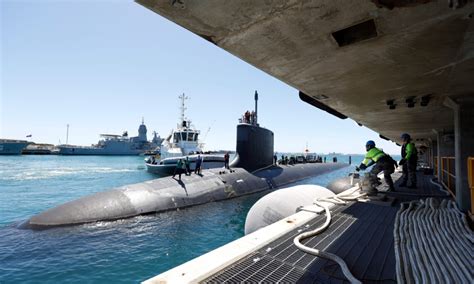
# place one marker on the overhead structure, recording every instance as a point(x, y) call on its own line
point(394, 66)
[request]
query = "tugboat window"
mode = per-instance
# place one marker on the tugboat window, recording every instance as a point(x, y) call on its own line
point(176, 138)
point(190, 136)
point(183, 136)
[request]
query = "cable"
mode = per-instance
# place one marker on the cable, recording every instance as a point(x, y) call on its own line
point(341, 198)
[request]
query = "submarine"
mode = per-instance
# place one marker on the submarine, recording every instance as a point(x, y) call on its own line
point(252, 171)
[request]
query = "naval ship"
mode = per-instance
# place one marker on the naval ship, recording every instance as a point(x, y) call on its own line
point(111, 144)
point(12, 147)
point(393, 66)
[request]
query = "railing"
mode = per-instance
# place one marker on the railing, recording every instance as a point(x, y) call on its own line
point(448, 174)
point(470, 177)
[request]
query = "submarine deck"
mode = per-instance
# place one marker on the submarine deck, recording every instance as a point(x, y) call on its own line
point(360, 233)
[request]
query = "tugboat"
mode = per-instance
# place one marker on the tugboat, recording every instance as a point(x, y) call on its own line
point(181, 143)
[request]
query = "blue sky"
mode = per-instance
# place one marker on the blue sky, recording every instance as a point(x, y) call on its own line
point(100, 66)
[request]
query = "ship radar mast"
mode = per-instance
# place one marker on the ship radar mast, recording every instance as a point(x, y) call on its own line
point(183, 98)
point(256, 109)
point(142, 131)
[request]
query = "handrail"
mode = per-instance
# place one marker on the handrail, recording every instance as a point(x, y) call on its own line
point(448, 174)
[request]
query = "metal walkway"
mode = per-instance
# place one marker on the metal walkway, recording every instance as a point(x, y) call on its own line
point(360, 233)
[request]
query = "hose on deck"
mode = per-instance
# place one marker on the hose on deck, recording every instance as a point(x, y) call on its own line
point(341, 198)
point(433, 243)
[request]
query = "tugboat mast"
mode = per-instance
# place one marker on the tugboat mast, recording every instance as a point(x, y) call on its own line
point(183, 98)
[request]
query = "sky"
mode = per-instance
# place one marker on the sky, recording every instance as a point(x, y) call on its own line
point(102, 66)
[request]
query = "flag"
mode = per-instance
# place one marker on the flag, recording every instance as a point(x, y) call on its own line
point(29, 135)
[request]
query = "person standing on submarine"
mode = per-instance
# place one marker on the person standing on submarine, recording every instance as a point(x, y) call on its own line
point(226, 160)
point(180, 168)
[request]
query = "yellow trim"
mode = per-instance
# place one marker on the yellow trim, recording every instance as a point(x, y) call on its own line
point(448, 177)
point(470, 178)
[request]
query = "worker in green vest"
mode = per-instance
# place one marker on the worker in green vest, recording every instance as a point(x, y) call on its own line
point(382, 161)
point(408, 161)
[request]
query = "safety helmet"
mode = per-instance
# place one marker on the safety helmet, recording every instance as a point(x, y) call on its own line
point(405, 137)
point(369, 145)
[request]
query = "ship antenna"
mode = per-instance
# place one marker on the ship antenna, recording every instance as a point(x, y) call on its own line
point(67, 134)
point(183, 97)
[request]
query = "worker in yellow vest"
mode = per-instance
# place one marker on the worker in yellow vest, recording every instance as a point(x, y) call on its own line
point(382, 161)
point(408, 161)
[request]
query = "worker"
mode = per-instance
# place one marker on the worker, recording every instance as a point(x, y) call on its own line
point(408, 161)
point(382, 161)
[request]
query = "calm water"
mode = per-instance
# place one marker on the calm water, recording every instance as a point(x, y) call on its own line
point(126, 251)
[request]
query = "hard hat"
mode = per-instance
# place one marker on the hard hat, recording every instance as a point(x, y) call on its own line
point(405, 136)
point(370, 143)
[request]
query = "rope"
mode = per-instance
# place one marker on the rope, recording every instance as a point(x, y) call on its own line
point(341, 198)
point(433, 243)
point(263, 168)
point(440, 187)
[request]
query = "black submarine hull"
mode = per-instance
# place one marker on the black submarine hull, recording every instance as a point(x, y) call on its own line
point(164, 194)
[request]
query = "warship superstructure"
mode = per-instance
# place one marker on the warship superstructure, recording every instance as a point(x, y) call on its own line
point(112, 144)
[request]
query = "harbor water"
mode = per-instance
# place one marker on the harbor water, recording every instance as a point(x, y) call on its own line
point(123, 251)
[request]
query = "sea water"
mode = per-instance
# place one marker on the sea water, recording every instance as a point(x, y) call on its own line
point(127, 251)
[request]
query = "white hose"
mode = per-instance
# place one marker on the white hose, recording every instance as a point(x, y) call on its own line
point(433, 243)
point(341, 198)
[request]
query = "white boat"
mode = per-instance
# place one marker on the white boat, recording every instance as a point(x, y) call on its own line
point(166, 167)
point(181, 143)
point(184, 140)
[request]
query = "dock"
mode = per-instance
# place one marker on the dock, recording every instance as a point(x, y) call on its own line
point(362, 233)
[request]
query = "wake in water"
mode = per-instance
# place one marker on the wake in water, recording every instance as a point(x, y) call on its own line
point(47, 173)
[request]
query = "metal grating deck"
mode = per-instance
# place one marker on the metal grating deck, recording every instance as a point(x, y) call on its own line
point(360, 233)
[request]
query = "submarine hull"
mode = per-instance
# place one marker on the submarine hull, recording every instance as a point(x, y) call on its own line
point(254, 151)
point(164, 194)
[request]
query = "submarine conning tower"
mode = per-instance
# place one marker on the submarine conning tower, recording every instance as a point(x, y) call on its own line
point(254, 147)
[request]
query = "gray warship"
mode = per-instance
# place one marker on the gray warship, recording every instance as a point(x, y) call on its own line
point(112, 144)
point(12, 147)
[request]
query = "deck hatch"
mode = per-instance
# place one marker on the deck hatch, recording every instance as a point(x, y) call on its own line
point(356, 33)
